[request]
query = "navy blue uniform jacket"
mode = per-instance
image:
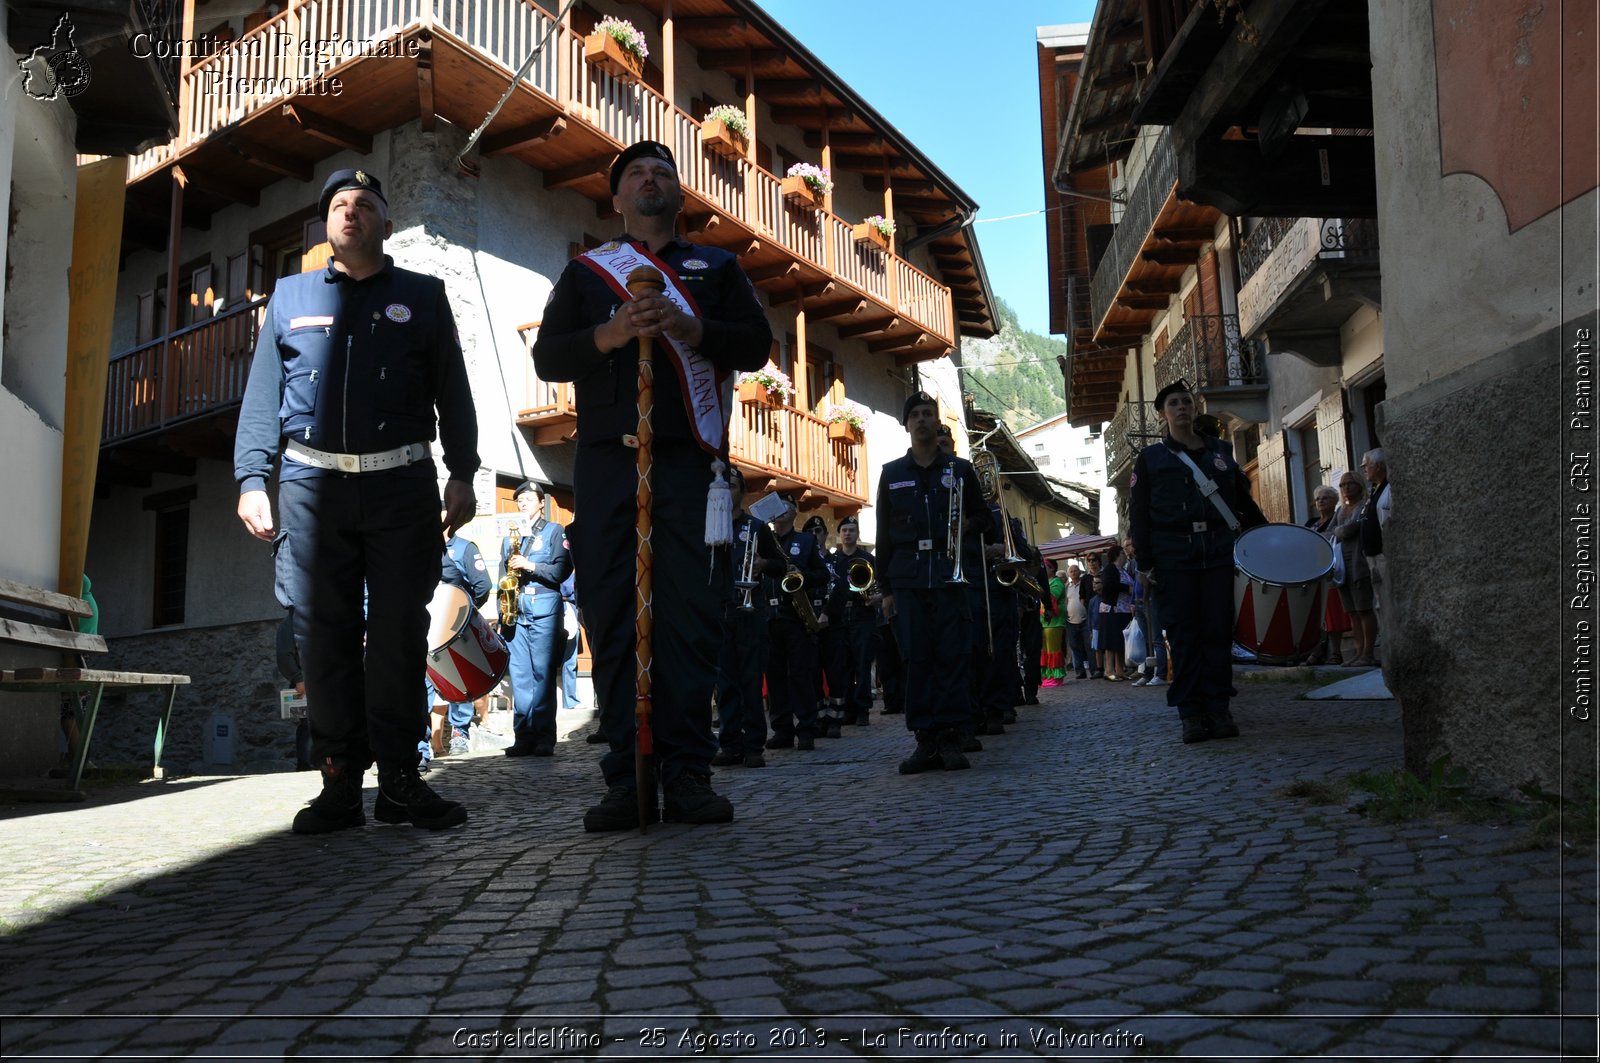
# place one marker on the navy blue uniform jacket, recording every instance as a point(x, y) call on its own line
point(913, 521)
point(356, 367)
point(462, 566)
point(1166, 504)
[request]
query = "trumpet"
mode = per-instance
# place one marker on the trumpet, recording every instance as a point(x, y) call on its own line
point(859, 577)
point(1009, 569)
point(794, 585)
point(954, 519)
point(746, 580)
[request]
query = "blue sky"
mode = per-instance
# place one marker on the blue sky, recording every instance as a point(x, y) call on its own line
point(960, 79)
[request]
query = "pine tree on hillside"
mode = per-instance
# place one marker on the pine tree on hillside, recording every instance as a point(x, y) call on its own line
point(1015, 374)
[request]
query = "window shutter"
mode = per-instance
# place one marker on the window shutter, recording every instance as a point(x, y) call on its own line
point(1332, 442)
point(1274, 478)
point(317, 249)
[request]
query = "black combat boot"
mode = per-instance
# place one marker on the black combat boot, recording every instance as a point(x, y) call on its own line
point(338, 806)
point(690, 799)
point(950, 750)
point(924, 758)
point(404, 798)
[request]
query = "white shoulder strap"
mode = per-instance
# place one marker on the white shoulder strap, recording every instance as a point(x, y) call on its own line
point(1209, 489)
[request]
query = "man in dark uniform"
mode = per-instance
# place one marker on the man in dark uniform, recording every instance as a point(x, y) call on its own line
point(1186, 541)
point(853, 616)
point(792, 646)
point(351, 365)
point(757, 559)
point(710, 322)
point(1030, 626)
point(933, 621)
point(541, 562)
point(830, 705)
point(998, 694)
point(462, 566)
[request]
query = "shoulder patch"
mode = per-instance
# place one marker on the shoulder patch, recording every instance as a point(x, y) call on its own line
point(609, 245)
point(478, 564)
point(1221, 465)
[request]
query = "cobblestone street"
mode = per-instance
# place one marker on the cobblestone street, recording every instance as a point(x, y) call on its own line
point(1090, 889)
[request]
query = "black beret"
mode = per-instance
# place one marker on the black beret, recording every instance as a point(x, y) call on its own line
point(816, 522)
point(530, 485)
point(851, 521)
point(644, 148)
point(1177, 385)
point(918, 398)
point(340, 180)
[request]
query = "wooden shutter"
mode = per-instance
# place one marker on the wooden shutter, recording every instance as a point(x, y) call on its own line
point(1274, 478)
point(1332, 441)
point(237, 288)
point(317, 249)
point(145, 329)
point(201, 295)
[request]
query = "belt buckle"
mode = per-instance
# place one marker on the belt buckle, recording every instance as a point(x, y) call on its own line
point(1198, 526)
point(348, 462)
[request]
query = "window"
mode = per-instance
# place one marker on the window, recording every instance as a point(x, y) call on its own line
point(171, 566)
point(1085, 462)
point(238, 282)
point(1043, 461)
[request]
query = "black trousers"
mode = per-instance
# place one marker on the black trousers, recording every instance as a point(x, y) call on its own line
point(934, 629)
point(1030, 635)
point(739, 669)
point(363, 561)
point(791, 679)
point(1196, 609)
point(891, 669)
point(687, 607)
point(860, 646)
point(999, 689)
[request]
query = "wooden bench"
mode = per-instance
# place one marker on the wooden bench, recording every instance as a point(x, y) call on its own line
point(63, 635)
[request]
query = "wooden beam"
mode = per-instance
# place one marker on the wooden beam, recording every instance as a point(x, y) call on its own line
point(324, 128)
point(711, 24)
point(1115, 81)
point(808, 291)
point(266, 158)
point(775, 271)
point(523, 136)
point(867, 328)
point(1198, 235)
point(904, 187)
point(1143, 302)
point(732, 59)
point(425, 101)
point(567, 176)
point(876, 163)
point(701, 223)
point(899, 343)
point(844, 140)
point(1170, 256)
point(746, 249)
point(1130, 31)
point(805, 88)
point(1242, 67)
point(1155, 286)
point(834, 309)
point(1115, 120)
point(229, 190)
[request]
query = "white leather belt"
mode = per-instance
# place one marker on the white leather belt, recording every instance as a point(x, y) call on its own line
point(389, 459)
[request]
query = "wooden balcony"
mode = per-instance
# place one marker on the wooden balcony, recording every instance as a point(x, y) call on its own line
point(1228, 373)
point(1303, 278)
point(191, 374)
point(779, 447)
point(251, 116)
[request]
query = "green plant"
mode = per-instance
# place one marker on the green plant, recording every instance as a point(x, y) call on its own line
point(729, 116)
point(814, 176)
point(772, 378)
point(880, 223)
point(850, 412)
point(1554, 814)
point(624, 33)
point(1397, 795)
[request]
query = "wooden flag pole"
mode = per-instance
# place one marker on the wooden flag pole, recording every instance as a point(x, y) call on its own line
point(642, 282)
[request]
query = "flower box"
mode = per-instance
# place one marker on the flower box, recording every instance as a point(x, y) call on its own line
point(728, 143)
point(867, 233)
point(798, 190)
point(755, 393)
point(846, 431)
point(607, 53)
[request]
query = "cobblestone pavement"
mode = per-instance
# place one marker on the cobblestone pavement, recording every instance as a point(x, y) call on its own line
point(1090, 889)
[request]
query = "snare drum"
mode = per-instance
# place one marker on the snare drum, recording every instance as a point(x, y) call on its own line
point(1278, 583)
point(466, 655)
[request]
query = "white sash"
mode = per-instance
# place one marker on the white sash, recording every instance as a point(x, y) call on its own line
point(707, 397)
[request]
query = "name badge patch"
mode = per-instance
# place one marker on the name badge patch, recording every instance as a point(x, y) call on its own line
point(902, 483)
point(696, 263)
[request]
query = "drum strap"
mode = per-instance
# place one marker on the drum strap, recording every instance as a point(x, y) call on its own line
point(1209, 489)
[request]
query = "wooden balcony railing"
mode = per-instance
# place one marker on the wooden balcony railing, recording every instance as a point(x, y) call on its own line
point(194, 371)
point(237, 82)
point(1139, 215)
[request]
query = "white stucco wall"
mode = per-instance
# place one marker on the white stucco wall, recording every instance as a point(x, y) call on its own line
point(1454, 228)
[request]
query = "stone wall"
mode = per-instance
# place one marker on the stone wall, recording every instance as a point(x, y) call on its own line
point(234, 673)
point(1474, 547)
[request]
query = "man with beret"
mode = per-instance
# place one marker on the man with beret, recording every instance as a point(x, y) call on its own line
point(357, 370)
point(932, 616)
point(539, 559)
point(793, 668)
point(707, 324)
point(1189, 501)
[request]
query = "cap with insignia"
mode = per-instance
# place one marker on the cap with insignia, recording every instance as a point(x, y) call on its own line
point(526, 486)
point(849, 522)
point(1171, 389)
point(644, 149)
point(918, 398)
point(816, 522)
point(340, 180)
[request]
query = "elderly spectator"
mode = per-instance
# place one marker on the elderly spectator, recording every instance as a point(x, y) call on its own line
point(1335, 621)
point(1355, 594)
point(1116, 609)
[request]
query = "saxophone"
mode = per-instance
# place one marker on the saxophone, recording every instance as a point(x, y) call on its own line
point(510, 584)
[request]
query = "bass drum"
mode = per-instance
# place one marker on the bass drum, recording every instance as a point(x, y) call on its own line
point(1278, 583)
point(466, 655)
